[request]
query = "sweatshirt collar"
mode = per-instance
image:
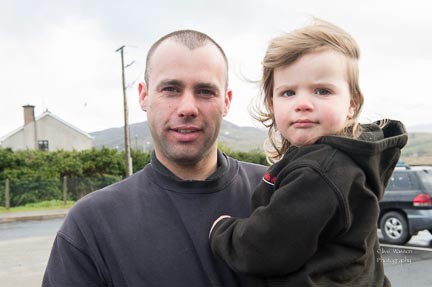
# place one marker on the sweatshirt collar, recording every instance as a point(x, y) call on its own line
point(225, 174)
point(222, 167)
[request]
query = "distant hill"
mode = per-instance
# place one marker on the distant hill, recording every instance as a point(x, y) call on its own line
point(419, 144)
point(246, 138)
point(231, 135)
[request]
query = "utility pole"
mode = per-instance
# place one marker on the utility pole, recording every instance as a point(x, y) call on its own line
point(126, 124)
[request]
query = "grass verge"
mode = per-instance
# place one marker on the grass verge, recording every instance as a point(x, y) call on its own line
point(43, 205)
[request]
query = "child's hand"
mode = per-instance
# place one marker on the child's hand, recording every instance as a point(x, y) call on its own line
point(216, 221)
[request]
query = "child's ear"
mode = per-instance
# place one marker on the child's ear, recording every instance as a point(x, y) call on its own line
point(351, 112)
point(353, 108)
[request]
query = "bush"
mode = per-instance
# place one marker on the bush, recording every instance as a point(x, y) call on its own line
point(140, 159)
point(253, 156)
point(38, 176)
point(28, 185)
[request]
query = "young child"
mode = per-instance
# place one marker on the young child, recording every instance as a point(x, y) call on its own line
point(315, 213)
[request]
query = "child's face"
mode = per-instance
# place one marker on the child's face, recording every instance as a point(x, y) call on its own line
point(311, 97)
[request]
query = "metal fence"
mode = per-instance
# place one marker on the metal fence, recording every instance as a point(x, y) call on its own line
point(21, 192)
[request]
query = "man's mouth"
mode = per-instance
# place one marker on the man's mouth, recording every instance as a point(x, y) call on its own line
point(186, 131)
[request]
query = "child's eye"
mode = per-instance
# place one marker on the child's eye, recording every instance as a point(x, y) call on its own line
point(288, 93)
point(322, 92)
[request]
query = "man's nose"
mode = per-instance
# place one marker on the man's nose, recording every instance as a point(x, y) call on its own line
point(187, 106)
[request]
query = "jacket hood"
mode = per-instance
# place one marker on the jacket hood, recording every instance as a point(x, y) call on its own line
point(376, 151)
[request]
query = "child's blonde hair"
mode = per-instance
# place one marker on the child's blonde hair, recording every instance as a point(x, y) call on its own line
point(285, 50)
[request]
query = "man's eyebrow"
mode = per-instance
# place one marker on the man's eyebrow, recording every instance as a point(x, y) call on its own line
point(209, 86)
point(169, 82)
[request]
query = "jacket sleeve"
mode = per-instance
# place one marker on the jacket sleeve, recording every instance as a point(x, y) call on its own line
point(279, 238)
point(70, 265)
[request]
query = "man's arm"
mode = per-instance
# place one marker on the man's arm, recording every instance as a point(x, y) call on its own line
point(70, 266)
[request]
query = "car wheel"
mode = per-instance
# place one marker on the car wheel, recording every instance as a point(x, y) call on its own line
point(394, 228)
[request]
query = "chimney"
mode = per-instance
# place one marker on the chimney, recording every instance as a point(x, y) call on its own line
point(29, 116)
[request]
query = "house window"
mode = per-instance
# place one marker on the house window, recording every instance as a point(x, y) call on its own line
point(43, 145)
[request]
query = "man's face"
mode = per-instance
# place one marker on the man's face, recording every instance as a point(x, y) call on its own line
point(185, 101)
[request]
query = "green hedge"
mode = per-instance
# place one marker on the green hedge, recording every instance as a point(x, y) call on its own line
point(37, 176)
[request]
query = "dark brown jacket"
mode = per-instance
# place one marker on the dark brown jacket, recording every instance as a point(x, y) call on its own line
point(315, 214)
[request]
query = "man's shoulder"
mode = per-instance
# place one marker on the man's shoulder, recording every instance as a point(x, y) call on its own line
point(250, 171)
point(107, 197)
point(252, 167)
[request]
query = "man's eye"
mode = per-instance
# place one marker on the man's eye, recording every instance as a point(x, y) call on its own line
point(322, 92)
point(170, 89)
point(288, 93)
point(205, 92)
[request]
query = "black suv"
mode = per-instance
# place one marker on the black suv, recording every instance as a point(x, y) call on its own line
point(406, 207)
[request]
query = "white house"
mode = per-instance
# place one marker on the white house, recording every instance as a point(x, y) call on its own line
point(46, 132)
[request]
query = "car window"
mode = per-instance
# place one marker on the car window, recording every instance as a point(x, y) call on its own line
point(400, 181)
point(426, 179)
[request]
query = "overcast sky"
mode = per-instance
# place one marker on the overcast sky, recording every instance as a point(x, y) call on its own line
point(60, 55)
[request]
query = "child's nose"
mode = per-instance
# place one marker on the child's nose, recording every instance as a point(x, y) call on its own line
point(303, 104)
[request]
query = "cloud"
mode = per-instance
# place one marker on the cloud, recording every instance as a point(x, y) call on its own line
point(70, 69)
point(61, 55)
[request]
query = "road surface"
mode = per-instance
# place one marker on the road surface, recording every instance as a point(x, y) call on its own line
point(25, 248)
point(24, 251)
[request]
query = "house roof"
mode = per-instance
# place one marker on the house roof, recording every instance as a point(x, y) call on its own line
point(47, 114)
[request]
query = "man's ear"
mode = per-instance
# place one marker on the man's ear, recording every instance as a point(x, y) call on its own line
point(227, 102)
point(142, 90)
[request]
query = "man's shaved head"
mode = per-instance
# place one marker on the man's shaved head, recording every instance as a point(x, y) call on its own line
point(189, 38)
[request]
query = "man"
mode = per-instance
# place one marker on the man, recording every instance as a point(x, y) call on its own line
point(151, 229)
